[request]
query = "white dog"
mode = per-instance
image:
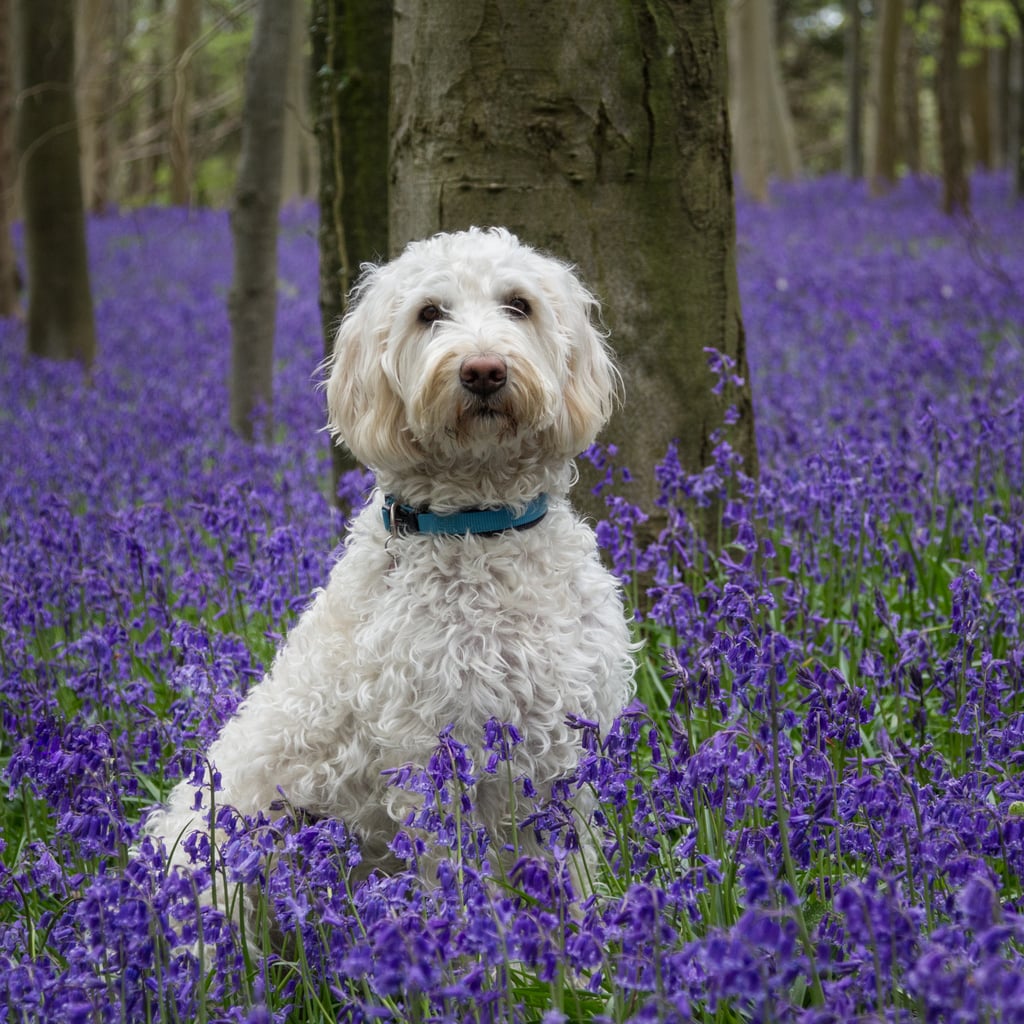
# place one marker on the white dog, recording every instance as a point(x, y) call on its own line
point(467, 375)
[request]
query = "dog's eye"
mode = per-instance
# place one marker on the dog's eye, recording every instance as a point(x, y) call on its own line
point(428, 314)
point(518, 306)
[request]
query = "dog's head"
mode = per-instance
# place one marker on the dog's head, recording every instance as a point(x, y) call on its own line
point(465, 343)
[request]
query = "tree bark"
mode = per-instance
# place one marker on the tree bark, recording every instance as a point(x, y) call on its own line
point(853, 153)
point(955, 188)
point(60, 315)
point(909, 95)
point(600, 133)
point(351, 80)
point(186, 29)
point(298, 177)
point(96, 36)
point(883, 165)
point(8, 263)
point(1015, 111)
point(254, 222)
point(764, 140)
point(976, 80)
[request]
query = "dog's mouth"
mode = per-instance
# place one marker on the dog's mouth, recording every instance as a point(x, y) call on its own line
point(485, 415)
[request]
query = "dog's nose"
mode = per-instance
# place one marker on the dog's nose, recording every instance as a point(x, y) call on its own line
point(483, 375)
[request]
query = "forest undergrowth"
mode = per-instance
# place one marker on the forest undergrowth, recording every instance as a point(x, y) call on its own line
point(814, 810)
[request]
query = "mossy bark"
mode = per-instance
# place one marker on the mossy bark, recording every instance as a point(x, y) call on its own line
point(599, 133)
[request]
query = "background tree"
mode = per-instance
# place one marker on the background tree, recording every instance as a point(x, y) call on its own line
point(505, 114)
point(186, 30)
point(298, 177)
point(254, 220)
point(910, 88)
point(853, 151)
point(8, 265)
point(886, 62)
point(764, 142)
point(955, 189)
point(97, 38)
point(60, 314)
point(351, 76)
point(1015, 105)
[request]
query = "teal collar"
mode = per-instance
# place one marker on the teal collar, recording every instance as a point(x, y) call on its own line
point(481, 521)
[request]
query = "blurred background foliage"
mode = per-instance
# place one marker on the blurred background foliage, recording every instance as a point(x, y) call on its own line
point(140, 62)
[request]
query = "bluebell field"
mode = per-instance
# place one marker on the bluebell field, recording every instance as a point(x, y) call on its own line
point(813, 812)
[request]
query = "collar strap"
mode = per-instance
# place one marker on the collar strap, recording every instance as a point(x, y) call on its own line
point(482, 521)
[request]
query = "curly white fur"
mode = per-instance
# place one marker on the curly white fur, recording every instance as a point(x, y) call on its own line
point(418, 631)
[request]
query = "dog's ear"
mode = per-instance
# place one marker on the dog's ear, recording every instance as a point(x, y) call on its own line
point(594, 385)
point(363, 410)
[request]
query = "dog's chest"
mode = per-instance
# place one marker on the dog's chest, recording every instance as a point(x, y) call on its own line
point(463, 626)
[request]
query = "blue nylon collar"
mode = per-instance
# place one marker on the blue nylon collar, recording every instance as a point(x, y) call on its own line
point(406, 519)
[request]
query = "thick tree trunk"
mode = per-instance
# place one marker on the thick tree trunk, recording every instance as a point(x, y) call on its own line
point(60, 315)
point(884, 153)
point(955, 189)
point(351, 76)
point(600, 134)
point(254, 221)
point(8, 264)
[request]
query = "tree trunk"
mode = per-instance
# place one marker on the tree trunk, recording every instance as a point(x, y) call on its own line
point(186, 29)
point(853, 154)
point(158, 113)
point(764, 142)
point(909, 96)
point(883, 165)
point(351, 77)
point(1015, 113)
point(976, 77)
point(254, 221)
point(955, 189)
point(298, 176)
point(603, 139)
point(999, 96)
point(96, 36)
point(8, 264)
point(60, 315)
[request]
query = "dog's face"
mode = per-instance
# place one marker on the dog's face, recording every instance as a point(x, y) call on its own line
point(465, 343)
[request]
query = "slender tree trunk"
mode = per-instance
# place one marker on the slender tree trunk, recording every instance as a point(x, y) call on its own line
point(97, 37)
point(955, 188)
point(299, 175)
point(910, 87)
point(998, 91)
point(158, 113)
point(254, 221)
point(186, 29)
point(764, 140)
point(853, 154)
point(351, 79)
point(883, 166)
point(8, 264)
point(976, 82)
point(60, 314)
point(503, 113)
